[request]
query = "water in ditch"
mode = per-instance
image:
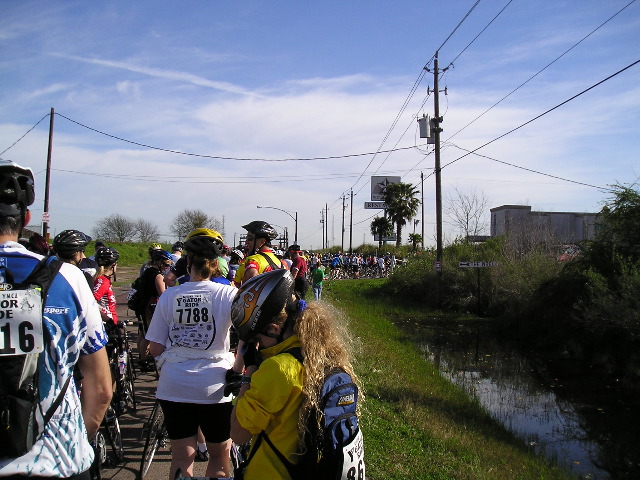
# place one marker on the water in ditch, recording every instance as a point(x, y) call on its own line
point(591, 432)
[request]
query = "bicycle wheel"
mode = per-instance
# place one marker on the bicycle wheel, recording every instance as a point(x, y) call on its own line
point(114, 435)
point(130, 393)
point(99, 445)
point(156, 437)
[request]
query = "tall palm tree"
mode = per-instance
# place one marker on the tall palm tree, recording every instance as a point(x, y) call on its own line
point(381, 227)
point(402, 205)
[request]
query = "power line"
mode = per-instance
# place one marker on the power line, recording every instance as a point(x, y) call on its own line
point(28, 131)
point(546, 112)
point(530, 170)
point(218, 157)
point(539, 71)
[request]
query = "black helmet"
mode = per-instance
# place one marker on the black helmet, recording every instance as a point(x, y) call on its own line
point(160, 255)
point(178, 246)
point(259, 300)
point(17, 189)
point(203, 246)
point(68, 242)
point(107, 256)
point(261, 230)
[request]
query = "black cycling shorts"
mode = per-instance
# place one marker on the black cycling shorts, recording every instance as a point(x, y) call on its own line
point(183, 420)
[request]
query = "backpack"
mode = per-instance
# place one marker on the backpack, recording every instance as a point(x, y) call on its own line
point(334, 448)
point(22, 341)
point(137, 297)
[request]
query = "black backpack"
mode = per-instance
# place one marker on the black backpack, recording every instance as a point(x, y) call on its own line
point(20, 349)
point(138, 296)
point(334, 448)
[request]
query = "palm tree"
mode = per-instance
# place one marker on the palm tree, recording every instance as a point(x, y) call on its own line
point(381, 227)
point(402, 205)
point(415, 239)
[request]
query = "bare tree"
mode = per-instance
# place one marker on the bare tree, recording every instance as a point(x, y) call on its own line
point(467, 211)
point(115, 228)
point(147, 231)
point(188, 220)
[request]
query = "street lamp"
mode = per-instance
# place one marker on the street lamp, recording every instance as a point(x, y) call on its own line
point(295, 219)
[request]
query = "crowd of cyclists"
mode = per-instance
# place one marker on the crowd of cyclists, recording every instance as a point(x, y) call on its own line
point(213, 325)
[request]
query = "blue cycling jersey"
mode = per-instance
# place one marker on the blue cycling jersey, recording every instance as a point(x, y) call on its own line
point(73, 327)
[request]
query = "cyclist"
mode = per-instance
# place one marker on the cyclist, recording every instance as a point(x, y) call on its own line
point(189, 335)
point(152, 248)
point(72, 334)
point(260, 257)
point(299, 270)
point(154, 286)
point(236, 256)
point(107, 259)
point(176, 251)
point(69, 246)
point(277, 392)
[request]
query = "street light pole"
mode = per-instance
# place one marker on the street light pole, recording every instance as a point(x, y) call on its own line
point(295, 219)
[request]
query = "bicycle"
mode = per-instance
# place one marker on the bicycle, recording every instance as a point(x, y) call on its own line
point(124, 395)
point(157, 436)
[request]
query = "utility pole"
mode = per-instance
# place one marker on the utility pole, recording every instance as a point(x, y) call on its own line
point(435, 138)
point(322, 220)
point(45, 215)
point(326, 223)
point(343, 209)
point(351, 225)
point(422, 201)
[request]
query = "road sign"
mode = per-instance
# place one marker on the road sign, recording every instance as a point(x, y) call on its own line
point(375, 205)
point(45, 217)
point(477, 264)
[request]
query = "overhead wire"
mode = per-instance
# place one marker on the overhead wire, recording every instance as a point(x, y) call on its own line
point(546, 112)
point(27, 132)
point(539, 71)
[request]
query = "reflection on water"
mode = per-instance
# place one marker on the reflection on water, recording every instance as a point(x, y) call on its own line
point(507, 386)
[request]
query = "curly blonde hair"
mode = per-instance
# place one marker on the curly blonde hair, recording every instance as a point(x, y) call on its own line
point(325, 344)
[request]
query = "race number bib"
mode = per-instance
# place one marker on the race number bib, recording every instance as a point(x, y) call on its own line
point(353, 459)
point(21, 322)
point(193, 322)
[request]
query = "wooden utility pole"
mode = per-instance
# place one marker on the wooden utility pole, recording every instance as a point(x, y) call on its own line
point(351, 225)
point(45, 215)
point(422, 202)
point(343, 209)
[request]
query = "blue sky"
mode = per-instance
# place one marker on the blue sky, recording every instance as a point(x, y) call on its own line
point(288, 80)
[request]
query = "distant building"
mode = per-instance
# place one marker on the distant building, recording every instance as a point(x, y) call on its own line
point(564, 227)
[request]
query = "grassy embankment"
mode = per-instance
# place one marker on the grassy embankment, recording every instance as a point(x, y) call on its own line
point(417, 424)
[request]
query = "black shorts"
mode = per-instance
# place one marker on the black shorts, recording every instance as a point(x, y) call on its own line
point(183, 420)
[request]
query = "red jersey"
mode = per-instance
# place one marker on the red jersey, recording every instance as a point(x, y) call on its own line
point(105, 297)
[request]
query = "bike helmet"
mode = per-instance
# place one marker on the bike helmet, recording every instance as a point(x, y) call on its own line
point(154, 247)
point(259, 300)
point(17, 189)
point(107, 256)
point(178, 246)
point(68, 242)
point(261, 230)
point(237, 253)
point(203, 246)
point(160, 256)
point(207, 232)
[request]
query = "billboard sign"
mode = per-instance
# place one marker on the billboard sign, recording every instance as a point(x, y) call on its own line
point(379, 185)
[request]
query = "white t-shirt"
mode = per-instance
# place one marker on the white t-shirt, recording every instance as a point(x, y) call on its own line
point(193, 321)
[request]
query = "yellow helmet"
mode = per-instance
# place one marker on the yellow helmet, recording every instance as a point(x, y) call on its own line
point(206, 232)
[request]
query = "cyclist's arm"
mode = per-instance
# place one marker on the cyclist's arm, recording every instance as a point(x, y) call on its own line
point(239, 434)
point(96, 395)
point(160, 285)
point(156, 349)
